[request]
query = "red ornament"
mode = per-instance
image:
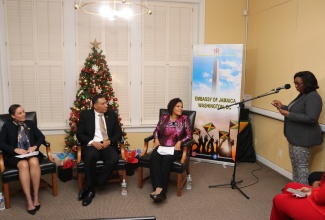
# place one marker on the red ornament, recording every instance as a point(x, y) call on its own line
point(83, 69)
point(115, 99)
point(109, 98)
point(111, 89)
point(110, 79)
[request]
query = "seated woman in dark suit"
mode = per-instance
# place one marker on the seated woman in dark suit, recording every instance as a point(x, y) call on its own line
point(172, 130)
point(20, 136)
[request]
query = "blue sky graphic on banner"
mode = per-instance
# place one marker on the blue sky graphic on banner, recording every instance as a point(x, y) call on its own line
point(217, 73)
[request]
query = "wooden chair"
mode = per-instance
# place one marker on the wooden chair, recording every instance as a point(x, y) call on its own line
point(9, 174)
point(120, 171)
point(179, 166)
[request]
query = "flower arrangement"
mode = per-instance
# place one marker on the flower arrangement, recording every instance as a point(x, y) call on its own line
point(67, 160)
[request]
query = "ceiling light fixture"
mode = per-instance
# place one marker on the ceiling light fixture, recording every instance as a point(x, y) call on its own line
point(109, 8)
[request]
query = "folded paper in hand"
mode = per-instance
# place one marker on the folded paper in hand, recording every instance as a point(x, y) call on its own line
point(28, 155)
point(162, 150)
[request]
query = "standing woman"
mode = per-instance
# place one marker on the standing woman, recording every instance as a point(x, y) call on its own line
point(20, 136)
point(301, 126)
point(172, 130)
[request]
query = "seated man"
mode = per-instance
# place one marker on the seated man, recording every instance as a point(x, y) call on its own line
point(287, 206)
point(98, 131)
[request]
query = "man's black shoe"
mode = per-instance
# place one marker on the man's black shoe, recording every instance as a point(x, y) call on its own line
point(88, 198)
point(83, 192)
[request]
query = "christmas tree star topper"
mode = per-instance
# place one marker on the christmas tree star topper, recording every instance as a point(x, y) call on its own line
point(95, 43)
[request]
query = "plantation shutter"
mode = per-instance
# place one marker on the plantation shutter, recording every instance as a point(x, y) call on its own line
point(115, 43)
point(167, 58)
point(35, 54)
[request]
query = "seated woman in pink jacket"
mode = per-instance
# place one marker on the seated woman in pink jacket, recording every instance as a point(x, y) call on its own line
point(287, 206)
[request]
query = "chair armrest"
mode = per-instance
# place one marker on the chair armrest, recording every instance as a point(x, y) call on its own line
point(188, 143)
point(2, 165)
point(78, 152)
point(48, 150)
point(186, 149)
point(146, 142)
point(184, 154)
point(147, 139)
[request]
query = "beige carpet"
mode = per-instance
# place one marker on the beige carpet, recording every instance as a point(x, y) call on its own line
point(200, 202)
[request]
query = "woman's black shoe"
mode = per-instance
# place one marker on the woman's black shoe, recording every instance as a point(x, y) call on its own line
point(37, 207)
point(32, 212)
point(159, 197)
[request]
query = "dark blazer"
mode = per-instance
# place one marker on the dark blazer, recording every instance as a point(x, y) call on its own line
point(86, 127)
point(9, 137)
point(301, 126)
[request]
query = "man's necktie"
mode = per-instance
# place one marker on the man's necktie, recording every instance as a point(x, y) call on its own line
point(102, 127)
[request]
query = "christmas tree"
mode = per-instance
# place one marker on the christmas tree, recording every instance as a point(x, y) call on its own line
point(95, 78)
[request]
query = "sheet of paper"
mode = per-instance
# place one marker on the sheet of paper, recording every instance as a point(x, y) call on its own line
point(162, 150)
point(28, 155)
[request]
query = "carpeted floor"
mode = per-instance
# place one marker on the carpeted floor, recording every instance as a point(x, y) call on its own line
point(201, 202)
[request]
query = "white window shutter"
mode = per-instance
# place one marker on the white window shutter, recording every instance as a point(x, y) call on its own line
point(48, 16)
point(23, 86)
point(167, 58)
point(35, 54)
point(20, 31)
point(117, 51)
point(89, 28)
point(115, 43)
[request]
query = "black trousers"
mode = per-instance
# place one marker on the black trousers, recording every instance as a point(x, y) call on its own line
point(160, 167)
point(90, 156)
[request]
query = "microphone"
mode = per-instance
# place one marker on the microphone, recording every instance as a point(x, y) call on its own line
point(286, 86)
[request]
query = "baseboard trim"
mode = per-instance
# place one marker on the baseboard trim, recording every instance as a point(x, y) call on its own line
point(274, 167)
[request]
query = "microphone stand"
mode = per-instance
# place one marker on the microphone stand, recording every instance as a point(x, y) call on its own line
point(233, 182)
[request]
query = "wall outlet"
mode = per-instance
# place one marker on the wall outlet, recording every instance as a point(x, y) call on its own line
point(255, 142)
point(280, 153)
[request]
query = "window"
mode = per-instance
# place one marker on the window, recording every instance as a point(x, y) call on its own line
point(166, 58)
point(35, 54)
point(115, 43)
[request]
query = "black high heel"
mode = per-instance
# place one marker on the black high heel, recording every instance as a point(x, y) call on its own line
point(37, 207)
point(32, 212)
point(152, 195)
point(159, 197)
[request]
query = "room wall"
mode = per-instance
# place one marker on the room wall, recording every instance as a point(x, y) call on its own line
point(225, 24)
point(284, 37)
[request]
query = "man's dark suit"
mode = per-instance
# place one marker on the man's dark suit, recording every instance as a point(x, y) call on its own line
point(86, 133)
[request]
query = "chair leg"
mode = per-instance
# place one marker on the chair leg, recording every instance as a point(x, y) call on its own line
point(80, 181)
point(179, 184)
point(124, 175)
point(140, 177)
point(54, 186)
point(6, 195)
